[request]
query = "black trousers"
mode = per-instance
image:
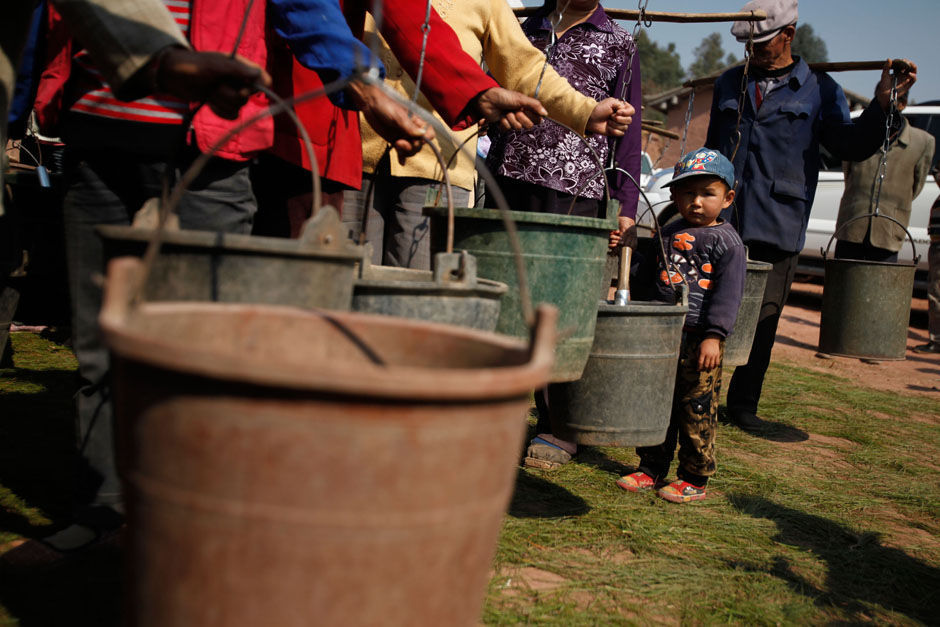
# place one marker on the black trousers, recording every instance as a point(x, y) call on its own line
point(745, 388)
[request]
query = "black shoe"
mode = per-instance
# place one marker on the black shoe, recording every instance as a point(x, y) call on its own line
point(748, 421)
point(929, 347)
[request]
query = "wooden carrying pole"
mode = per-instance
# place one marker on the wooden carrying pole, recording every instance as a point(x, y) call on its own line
point(655, 130)
point(663, 16)
point(898, 65)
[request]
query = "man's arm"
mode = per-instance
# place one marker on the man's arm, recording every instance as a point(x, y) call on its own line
point(122, 36)
point(452, 81)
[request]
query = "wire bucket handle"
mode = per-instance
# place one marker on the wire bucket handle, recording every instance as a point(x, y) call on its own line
point(875, 214)
point(172, 202)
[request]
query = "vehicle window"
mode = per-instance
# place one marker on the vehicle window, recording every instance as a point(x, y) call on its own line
point(931, 124)
point(646, 164)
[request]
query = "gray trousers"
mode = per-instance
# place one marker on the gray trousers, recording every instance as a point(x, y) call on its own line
point(933, 290)
point(105, 187)
point(396, 228)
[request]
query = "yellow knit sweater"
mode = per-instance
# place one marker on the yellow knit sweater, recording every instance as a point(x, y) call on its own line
point(487, 30)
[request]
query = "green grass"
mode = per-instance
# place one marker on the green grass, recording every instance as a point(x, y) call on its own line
point(834, 517)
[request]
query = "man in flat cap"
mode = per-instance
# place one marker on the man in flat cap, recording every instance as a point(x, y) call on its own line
point(788, 111)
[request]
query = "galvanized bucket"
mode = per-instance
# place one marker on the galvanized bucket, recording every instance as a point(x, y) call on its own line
point(316, 270)
point(738, 343)
point(451, 294)
point(624, 396)
point(293, 467)
point(564, 259)
point(866, 305)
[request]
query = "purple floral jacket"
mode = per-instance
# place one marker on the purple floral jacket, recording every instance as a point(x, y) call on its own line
point(594, 56)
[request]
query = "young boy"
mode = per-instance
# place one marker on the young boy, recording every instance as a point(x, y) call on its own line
point(706, 253)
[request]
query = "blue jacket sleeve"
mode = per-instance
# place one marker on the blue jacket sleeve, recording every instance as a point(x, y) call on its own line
point(845, 139)
point(319, 37)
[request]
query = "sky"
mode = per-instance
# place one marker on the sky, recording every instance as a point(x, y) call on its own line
point(854, 30)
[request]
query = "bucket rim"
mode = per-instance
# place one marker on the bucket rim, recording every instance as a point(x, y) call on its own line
point(231, 243)
point(865, 262)
point(528, 217)
point(358, 379)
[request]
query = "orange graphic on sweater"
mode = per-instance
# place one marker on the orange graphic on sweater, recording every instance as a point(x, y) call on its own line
point(683, 241)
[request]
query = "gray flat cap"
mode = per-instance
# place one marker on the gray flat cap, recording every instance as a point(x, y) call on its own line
point(780, 13)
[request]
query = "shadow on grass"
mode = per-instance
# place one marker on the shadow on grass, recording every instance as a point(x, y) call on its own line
point(591, 456)
point(772, 430)
point(535, 497)
point(860, 569)
point(83, 590)
point(38, 459)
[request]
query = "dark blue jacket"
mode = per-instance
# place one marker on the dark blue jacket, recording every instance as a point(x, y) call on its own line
point(777, 164)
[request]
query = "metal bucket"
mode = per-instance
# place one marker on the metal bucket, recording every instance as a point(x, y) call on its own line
point(738, 343)
point(291, 467)
point(866, 309)
point(451, 294)
point(564, 258)
point(866, 305)
point(316, 270)
point(624, 396)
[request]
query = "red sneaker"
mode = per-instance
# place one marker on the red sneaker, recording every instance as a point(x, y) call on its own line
point(636, 482)
point(680, 491)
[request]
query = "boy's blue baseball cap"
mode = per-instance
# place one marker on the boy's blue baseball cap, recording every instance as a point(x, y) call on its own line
point(704, 161)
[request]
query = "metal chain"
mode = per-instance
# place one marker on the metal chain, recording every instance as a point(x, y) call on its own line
point(625, 85)
point(883, 163)
point(688, 121)
point(743, 94)
point(425, 31)
point(553, 39)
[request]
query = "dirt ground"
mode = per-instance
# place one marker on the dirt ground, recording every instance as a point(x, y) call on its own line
point(798, 335)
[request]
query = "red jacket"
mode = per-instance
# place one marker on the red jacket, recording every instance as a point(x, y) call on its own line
point(213, 26)
point(451, 80)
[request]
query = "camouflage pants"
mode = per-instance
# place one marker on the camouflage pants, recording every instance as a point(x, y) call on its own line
point(694, 420)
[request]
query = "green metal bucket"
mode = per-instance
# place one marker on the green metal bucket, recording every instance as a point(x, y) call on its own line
point(866, 309)
point(738, 343)
point(564, 259)
point(316, 270)
point(866, 305)
point(624, 396)
point(451, 294)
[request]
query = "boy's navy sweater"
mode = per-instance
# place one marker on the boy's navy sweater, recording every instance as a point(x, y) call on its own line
point(713, 261)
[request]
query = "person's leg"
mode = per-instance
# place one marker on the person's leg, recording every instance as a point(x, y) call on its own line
point(698, 418)
point(220, 199)
point(748, 380)
point(933, 299)
point(655, 460)
point(101, 189)
point(865, 251)
point(407, 229)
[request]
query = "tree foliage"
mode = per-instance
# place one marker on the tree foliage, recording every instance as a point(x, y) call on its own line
point(661, 67)
point(808, 46)
point(710, 57)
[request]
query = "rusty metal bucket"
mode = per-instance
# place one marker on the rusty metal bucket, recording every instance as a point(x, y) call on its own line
point(738, 344)
point(316, 270)
point(866, 305)
point(293, 467)
point(451, 294)
point(624, 396)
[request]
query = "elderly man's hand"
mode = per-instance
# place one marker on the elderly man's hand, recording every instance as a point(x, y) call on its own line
point(392, 121)
point(513, 111)
point(225, 84)
point(906, 79)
